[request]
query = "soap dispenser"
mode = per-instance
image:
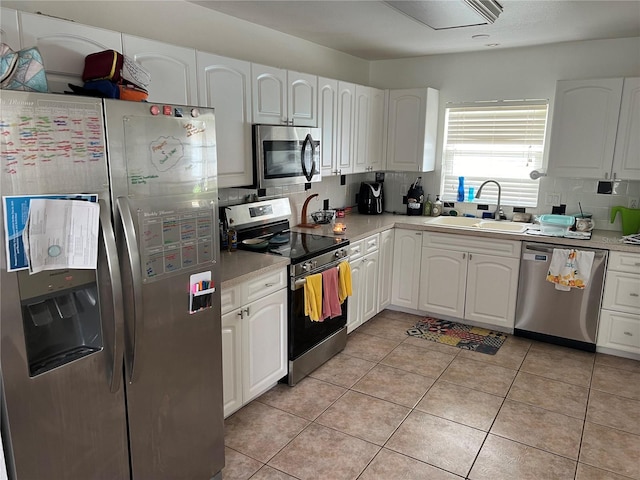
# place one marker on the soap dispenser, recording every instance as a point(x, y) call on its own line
point(436, 210)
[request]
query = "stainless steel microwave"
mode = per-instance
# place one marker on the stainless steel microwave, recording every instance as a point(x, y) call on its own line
point(286, 155)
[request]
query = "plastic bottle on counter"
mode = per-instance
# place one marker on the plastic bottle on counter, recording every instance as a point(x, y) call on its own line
point(224, 236)
point(233, 239)
point(436, 210)
point(426, 211)
point(460, 197)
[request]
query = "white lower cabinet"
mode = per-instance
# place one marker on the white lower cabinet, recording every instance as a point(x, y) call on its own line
point(407, 249)
point(254, 338)
point(619, 327)
point(385, 270)
point(364, 261)
point(458, 281)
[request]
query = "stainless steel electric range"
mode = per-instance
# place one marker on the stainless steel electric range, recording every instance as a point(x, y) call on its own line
point(264, 227)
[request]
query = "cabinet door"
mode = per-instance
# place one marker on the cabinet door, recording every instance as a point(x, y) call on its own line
point(9, 32)
point(370, 298)
point(64, 46)
point(327, 121)
point(361, 129)
point(264, 347)
point(492, 286)
point(583, 131)
point(302, 99)
point(225, 84)
point(377, 132)
point(354, 305)
point(443, 275)
point(173, 69)
point(345, 135)
point(231, 362)
point(269, 88)
point(407, 249)
point(627, 150)
point(412, 129)
point(385, 270)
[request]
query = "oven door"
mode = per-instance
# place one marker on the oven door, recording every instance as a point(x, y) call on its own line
point(286, 155)
point(304, 333)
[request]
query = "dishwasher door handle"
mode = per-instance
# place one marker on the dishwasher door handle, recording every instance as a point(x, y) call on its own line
point(549, 249)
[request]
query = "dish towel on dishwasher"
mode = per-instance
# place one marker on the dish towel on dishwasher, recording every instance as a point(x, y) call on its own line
point(344, 281)
point(313, 297)
point(570, 268)
point(330, 299)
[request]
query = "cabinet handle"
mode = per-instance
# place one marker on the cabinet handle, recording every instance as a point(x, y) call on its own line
point(470, 256)
point(268, 285)
point(629, 334)
point(246, 310)
point(241, 313)
point(633, 295)
point(464, 255)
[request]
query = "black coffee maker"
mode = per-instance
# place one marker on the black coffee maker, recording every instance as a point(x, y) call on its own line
point(415, 198)
point(371, 198)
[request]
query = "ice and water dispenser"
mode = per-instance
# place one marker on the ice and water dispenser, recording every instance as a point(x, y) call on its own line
point(61, 317)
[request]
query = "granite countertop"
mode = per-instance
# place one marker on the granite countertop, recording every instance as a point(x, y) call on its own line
point(361, 226)
point(239, 266)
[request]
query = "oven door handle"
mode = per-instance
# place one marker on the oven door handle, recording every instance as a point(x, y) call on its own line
point(298, 282)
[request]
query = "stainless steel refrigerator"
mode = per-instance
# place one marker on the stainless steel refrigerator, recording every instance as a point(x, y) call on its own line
point(113, 372)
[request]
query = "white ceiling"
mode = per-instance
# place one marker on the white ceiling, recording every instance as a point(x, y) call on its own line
point(372, 30)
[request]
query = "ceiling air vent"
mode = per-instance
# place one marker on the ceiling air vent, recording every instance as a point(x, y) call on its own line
point(445, 14)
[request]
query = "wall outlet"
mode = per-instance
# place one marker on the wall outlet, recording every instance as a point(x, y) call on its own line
point(634, 202)
point(552, 198)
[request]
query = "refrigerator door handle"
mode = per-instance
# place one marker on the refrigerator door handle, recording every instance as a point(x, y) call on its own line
point(133, 255)
point(111, 254)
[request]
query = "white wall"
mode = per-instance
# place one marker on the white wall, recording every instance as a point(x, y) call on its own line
point(520, 73)
point(190, 25)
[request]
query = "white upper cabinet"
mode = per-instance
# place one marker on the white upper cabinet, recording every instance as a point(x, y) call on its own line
point(172, 68)
point(327, 121)
point(9, 28)
point(626, 156)
point(64, 46)
point(284, 97)
point(362, 129)
point(583, 131)
point(225, 84)
point(345, 124)
point(412, 129)
point(377, 131)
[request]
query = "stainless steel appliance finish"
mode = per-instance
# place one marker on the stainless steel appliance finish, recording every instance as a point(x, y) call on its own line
point(310, 344)
point(286, 155)
point(564, 317)
point(145, 400)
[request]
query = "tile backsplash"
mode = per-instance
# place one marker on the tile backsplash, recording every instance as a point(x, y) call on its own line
point(567, 191)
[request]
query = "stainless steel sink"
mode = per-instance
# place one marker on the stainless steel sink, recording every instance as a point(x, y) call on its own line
point(468, 223)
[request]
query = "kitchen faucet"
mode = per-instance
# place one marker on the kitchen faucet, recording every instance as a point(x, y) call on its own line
point(499, 214)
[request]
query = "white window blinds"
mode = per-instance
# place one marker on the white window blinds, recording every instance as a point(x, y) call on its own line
point(503, 141)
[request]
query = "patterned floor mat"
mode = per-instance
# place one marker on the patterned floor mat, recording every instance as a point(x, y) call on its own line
point(459, 335)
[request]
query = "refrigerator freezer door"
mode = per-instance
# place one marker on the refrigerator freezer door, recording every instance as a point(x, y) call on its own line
point(70, 421)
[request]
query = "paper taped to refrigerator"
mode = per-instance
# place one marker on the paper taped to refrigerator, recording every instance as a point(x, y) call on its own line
point(61, 234)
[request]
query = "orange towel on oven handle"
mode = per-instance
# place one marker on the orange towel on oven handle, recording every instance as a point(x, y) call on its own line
point(344, 281)
point(313, 297)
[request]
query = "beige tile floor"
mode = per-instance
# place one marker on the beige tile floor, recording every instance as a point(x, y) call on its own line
point(396, 407)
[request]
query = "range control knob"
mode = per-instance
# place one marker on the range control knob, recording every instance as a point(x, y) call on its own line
point(341, 253)
point(306, 266)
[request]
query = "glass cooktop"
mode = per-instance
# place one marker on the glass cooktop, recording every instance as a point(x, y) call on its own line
point(302, 246)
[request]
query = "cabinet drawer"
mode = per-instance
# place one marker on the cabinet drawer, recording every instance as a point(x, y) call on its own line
point(356, 250)
point(371, 243)
point(619, 331)
point(230, 298)
point(622, 292)
point(264, 285)
point(624, 262)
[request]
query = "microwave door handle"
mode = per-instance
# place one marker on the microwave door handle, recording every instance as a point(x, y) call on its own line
point(305, 144)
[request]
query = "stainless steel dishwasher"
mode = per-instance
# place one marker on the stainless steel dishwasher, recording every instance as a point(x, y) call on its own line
point(543, 313)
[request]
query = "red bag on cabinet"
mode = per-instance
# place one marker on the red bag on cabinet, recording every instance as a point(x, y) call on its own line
point(105, 65)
